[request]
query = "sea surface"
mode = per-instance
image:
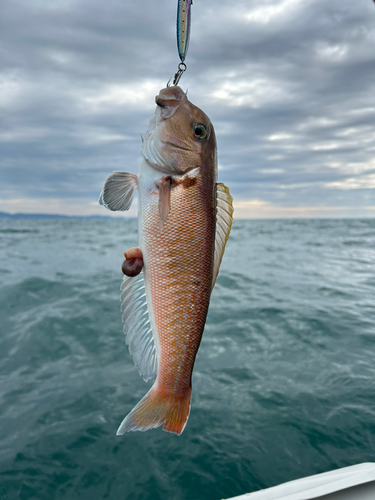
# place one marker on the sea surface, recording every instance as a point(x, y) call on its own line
point(283, 386)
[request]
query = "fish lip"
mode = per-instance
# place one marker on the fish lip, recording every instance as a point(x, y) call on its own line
point(169, 100)
point(164, 102)
point(170, 96)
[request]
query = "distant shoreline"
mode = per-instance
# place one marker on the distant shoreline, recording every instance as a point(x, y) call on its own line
point(6, 215)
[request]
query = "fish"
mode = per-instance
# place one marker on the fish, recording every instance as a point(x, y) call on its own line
point(184, 220)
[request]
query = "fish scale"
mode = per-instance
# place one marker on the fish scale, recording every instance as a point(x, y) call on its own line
point(179, 268)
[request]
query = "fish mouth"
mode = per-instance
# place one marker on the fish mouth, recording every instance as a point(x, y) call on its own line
point(169, 100)
point(161, 147)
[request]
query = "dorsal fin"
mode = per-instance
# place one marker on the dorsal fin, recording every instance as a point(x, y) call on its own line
point(137, 326)
point(224, 220)
point(118, 191)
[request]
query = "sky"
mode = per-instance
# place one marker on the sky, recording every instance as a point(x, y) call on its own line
point(289, 86)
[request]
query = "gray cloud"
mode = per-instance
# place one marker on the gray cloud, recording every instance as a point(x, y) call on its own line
point(288, 84)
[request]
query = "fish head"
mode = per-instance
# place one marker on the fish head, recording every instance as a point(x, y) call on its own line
point(181, 136)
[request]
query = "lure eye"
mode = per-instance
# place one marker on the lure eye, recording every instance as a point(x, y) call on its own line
point(200, 131)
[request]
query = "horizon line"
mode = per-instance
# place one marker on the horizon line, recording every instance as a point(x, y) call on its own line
point(36, 215)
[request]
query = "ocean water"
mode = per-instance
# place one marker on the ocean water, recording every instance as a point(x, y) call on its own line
point(283, 386)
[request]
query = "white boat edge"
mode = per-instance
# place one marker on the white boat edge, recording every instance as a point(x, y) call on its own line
point(319, 485)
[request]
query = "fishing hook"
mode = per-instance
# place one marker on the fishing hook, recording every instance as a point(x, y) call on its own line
point(181, 69)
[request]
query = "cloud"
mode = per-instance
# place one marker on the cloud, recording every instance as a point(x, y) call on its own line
point(288, 84)
point(363, 182)
point(267, 13)
point(258, 209)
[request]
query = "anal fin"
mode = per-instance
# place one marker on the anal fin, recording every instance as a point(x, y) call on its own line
point(137, 326)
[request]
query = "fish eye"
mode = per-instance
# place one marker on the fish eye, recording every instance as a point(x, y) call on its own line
point(200, 131)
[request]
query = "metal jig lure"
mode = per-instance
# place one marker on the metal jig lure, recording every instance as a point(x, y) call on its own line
point(183, 27)
point(183, 36)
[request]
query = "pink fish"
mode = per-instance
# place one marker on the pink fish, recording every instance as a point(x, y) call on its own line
point(185, 218)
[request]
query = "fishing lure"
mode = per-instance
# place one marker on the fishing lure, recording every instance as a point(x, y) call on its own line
point(183, 27)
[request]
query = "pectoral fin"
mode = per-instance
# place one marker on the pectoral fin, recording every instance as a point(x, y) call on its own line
point(224, 220)
point(164, 185)
point(118, 191)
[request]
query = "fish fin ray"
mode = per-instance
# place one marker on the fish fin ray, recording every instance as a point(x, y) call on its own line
point(137, 327)
point(164, 198)
point(118, 191)
point(224, 220)
point(154, 410)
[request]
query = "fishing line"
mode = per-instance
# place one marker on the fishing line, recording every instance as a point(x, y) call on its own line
point(183, 36)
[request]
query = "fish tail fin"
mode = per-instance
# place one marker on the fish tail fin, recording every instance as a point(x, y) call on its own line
point(156, 409)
